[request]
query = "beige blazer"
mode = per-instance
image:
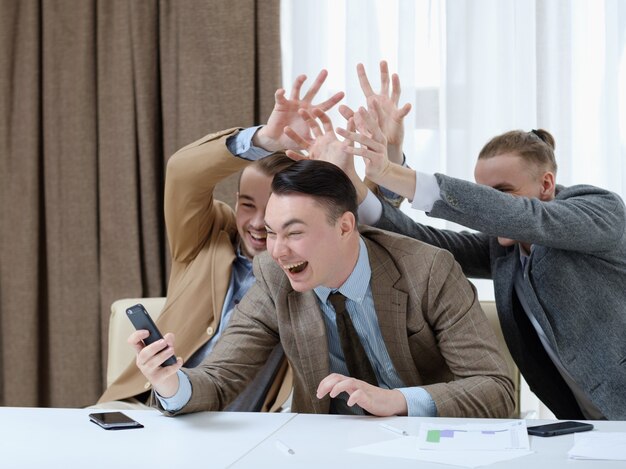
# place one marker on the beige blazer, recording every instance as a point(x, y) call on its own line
point(202, 239)
point(435, 331)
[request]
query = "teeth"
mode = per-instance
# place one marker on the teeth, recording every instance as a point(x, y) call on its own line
point(260, 236)
point(296, 268)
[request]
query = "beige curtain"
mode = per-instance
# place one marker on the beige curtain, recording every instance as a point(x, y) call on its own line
point(94, 97)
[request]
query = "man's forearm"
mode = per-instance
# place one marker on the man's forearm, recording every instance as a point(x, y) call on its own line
point(399, 179)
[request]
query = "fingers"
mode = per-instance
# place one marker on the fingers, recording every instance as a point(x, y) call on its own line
point(346, 112)
point(294, 155)
point(279, 97)
point(403, 111)
point(364, 152)
point(335, 383)
point(363, 81)
point(311, 122)
point(349, 385)
point(300, 140)
point(297, 85)
point(395, 88)
point(136, 339)
point(327, 384)
point(324, 119)
point(315, 87)
point(351, 127)
point(367, 122)
point(370, 149)
point(384, 78)
point(330, 102)
point(151, 356)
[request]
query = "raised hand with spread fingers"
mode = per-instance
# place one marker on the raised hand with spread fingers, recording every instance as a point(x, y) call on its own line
point(387, 113)
point(271, 137)
point(374, 151)
point(321, 143)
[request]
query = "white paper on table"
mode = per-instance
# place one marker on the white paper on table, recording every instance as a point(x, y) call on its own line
point(406, 447)
point(473, 437)
point(599, 445)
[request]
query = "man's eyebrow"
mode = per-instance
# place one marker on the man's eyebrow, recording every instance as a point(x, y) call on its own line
point(247, 197)
point(292, 221)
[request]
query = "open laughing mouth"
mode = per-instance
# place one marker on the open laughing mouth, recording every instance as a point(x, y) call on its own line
point(297, 267)
point(258, 237)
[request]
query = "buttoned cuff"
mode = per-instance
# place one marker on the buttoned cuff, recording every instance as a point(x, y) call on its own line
point(182, 396)
point(240, 145)
point(427, 192)
point(370, 210)
point(418, 402)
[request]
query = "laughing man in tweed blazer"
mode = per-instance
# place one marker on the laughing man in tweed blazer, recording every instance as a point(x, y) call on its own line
point(418, 317)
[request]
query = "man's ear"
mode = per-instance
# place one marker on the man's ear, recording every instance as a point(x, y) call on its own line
point(347, 224)
point(548, 186)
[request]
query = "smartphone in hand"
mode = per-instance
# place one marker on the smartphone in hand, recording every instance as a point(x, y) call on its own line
point(559, 428)
point(114, 421)
point(142, 320)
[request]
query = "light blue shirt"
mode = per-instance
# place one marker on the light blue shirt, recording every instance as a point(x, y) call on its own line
point(360, 307)
point(241, 279)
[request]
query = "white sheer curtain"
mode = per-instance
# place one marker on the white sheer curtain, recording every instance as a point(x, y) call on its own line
point(475, 68)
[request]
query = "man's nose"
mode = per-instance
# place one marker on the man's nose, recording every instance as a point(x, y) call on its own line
point(258, 220)
point(279, 248)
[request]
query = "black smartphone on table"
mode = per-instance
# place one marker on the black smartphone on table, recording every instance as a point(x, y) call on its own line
point(142, 320)
point(114, 421)
point(559, 428)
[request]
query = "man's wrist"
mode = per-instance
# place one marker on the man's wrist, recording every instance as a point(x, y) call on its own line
point(262, 140)
point(169, 388)
point(394, 152)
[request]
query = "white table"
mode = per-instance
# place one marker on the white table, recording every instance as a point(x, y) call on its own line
point(66, 438)
point(55, 438)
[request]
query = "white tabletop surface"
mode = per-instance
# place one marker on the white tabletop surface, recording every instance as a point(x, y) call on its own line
point(65, 438)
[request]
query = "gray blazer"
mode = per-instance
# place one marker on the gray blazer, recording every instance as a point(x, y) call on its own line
point(577, 270)
point(433, 327)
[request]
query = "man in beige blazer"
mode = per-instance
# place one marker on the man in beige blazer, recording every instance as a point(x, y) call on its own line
point(208, 241)
point(417, 317)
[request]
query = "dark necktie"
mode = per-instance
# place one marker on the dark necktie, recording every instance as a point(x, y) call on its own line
point(358, 364)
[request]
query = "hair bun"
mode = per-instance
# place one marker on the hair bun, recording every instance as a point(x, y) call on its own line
point(545, 136)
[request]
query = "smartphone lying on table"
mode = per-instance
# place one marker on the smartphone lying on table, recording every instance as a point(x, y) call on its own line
point(559, 428)
point(142, 320)
point(114, 421)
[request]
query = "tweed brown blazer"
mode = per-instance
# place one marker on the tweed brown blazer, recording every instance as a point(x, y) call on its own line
point(202, 238)
point(433, 327)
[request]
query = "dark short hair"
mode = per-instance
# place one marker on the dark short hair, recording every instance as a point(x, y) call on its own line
point(535, 147)
point(323, 181)
point(269, 166)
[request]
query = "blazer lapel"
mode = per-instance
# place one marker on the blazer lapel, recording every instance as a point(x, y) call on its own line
point(391, 306)
point(311, 343)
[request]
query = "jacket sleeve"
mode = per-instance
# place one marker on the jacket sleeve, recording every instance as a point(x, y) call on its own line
point(191, 177)
point(243, 350)
point(580, 218)
point(470, 250)
point(481, 386)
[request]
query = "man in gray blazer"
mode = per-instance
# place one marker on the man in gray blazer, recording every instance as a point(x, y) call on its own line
point(557, 256)
point(417, 318)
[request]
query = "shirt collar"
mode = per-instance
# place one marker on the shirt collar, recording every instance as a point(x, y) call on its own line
point(241, 257)
point(355, 287)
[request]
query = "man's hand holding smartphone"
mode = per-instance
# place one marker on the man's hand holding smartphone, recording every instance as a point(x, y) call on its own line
point(151, 358)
